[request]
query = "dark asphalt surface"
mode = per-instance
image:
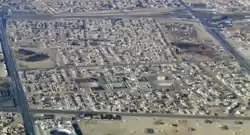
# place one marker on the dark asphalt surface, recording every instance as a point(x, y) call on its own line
point(77, 112)
point(225, 44)
point(49, 17)
point(18, 92)
point(20, 95)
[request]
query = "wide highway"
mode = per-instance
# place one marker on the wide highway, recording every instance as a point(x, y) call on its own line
point(19, 93)
point(97, 16)
point(177, 116)
point(225, 44)
point(166, 13)
point(17, 89)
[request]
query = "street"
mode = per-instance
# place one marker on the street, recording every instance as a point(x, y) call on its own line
point(225, 44)
point(20, 98)
point(17, 89)
point(180, 116)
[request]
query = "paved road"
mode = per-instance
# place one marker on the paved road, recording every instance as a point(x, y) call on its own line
point(225, 44)
point(17, 89)
point(125, 64)
point(99, 15)
point(91, 15)
point(8, 109)
point(21, 97)
point(49, 17)
point(76, 112)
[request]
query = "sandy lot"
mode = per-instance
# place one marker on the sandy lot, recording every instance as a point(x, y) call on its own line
point(203, 34)
point(193, 1)
point(39, 64)
point(137, 126)
point(3, 72)
point(241, 47)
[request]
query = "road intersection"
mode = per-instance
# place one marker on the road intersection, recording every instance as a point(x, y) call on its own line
point(19, 95)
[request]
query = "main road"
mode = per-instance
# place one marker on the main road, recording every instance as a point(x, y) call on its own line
point(225, 44)
point(177, 116)
point(16, 85)
point(151, 13)
point(20, 96)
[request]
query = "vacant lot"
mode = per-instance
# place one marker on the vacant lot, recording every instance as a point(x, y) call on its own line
point(165, 126)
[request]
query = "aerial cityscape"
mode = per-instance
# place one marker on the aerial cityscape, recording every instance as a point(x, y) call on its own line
point(124, 67)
